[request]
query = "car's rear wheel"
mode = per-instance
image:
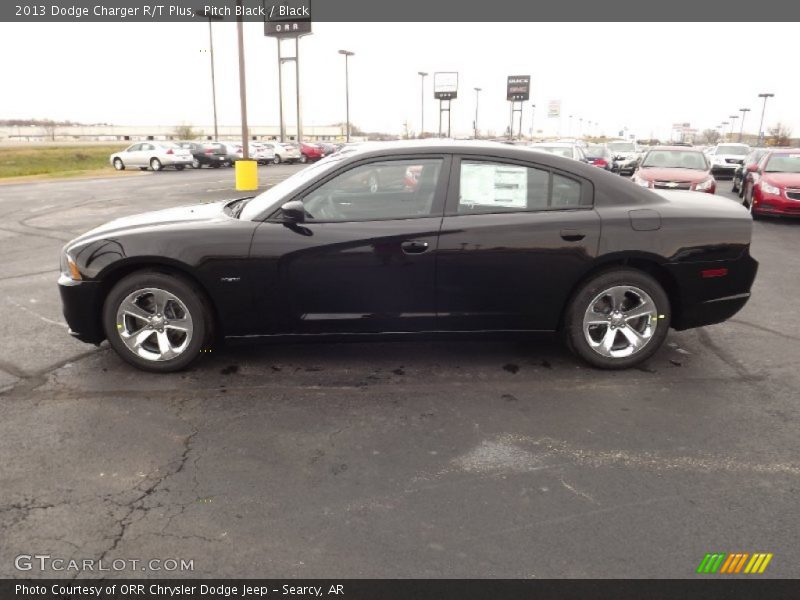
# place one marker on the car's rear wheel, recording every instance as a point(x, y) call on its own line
point(277, 160)
point(196, 164)
point(734, 187)
point(119, 165)
point(304, 159)
point(180, 167)
point(617, 319)
point(156, 321)
point(155, 164)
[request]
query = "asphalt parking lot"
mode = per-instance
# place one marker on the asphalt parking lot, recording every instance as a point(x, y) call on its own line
point(445, 459)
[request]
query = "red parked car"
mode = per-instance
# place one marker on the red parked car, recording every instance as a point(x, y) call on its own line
point(310, 152)
point(675, 168)
point(773, 188)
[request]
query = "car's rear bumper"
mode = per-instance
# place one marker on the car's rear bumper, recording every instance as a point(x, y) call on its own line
point(706, 300)
point(82, 304)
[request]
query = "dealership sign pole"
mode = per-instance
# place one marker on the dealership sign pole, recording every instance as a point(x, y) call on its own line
point(445, 89)
point(518, 91)
point(291, 20)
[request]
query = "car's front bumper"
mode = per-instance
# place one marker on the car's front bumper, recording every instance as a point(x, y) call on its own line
point(82, 305)
point(769, 204)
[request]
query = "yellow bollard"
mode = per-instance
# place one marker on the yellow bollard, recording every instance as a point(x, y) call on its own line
point(246, 175)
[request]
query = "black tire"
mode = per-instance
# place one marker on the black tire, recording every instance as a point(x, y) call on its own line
point(155, 164)
point(180, 167)
point(119, 165)
point(196, 164)
point(277, 160)
point(187, 292)
point(304, 159)
point(734, 187)
point(573, 320)
point(215, 165)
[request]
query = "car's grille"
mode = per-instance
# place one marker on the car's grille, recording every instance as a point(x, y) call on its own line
point(793, 194)
point(734, 161)
point(672, 185)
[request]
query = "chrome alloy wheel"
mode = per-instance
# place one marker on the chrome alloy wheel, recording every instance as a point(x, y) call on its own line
point(154, 324)
point(620, 321)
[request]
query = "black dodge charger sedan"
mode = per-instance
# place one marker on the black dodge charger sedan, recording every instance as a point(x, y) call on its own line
point(415, 238)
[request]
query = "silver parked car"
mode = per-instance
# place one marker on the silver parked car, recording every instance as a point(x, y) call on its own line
point(153, 155)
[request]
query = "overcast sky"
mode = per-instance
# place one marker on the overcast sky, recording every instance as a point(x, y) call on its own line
point(641, 76)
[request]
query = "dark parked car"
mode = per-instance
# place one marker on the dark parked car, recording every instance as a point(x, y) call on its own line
point(205, 153)
point(490, 237)
point(749, 165)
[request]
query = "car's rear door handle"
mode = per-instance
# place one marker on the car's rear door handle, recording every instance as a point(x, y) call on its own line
point(572, 235)
point(414, 247)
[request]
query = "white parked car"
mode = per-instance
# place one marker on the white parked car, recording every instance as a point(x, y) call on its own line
point(726, 158)
point(262, 152)
point(284, 152)
point(153, 155)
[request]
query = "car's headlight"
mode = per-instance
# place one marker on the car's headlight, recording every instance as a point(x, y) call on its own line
point(640, 181)
point(770, 189)
point(704, 185)
point(69, 268)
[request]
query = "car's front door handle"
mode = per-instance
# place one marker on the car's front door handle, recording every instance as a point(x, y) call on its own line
point(414, 247)
point(572, 235)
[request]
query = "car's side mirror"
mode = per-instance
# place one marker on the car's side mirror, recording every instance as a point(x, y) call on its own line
point(294, 212)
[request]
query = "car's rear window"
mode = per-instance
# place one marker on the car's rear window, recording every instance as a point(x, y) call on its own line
point(622, 146)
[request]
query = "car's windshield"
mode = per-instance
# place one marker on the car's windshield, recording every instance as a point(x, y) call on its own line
point(733, 150)
point(559, 150)
point(783, 163)
point(271, 196)
point(622, 147)
point(675, 159)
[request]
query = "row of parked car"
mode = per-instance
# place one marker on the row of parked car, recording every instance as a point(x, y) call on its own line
point(767, 179)
point(157, 155)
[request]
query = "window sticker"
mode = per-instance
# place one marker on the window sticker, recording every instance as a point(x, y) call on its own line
point(503, 186)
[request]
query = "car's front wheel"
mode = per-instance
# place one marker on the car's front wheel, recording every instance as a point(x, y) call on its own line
point(617, 319)
point(119, 165)
point(196, 163)
point(155, 164)
point(304, 159)
point(156, 321)
point(277, 160)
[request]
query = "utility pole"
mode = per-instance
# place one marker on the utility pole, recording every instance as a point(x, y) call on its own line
point(347, 54)
point(763, 110)
point(422, 76)
point(744, 112)
point(533, 109)
point(477, 94)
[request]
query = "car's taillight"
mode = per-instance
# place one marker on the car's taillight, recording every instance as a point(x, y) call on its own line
point(170, 151)
point(599, 162)
point(709, 273)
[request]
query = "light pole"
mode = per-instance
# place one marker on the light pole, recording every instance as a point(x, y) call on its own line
point(744, 112)
point(477, 95)
point(570, 126)
point(347, 54)
point(246, 169)
point(422, 76)
point(733, 122)
point(580, 127)
point(763, 110)
point(211, 17)
point(533, 109)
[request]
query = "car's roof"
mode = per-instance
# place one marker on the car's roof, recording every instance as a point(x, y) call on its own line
point(733, 144)
point(781, 150)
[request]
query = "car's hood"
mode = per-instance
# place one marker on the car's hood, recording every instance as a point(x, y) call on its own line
point(670, 174)
point(169, 216)
point(791, 180)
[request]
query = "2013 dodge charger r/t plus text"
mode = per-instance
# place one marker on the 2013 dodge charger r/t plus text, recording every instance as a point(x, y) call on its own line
point(491, 238)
